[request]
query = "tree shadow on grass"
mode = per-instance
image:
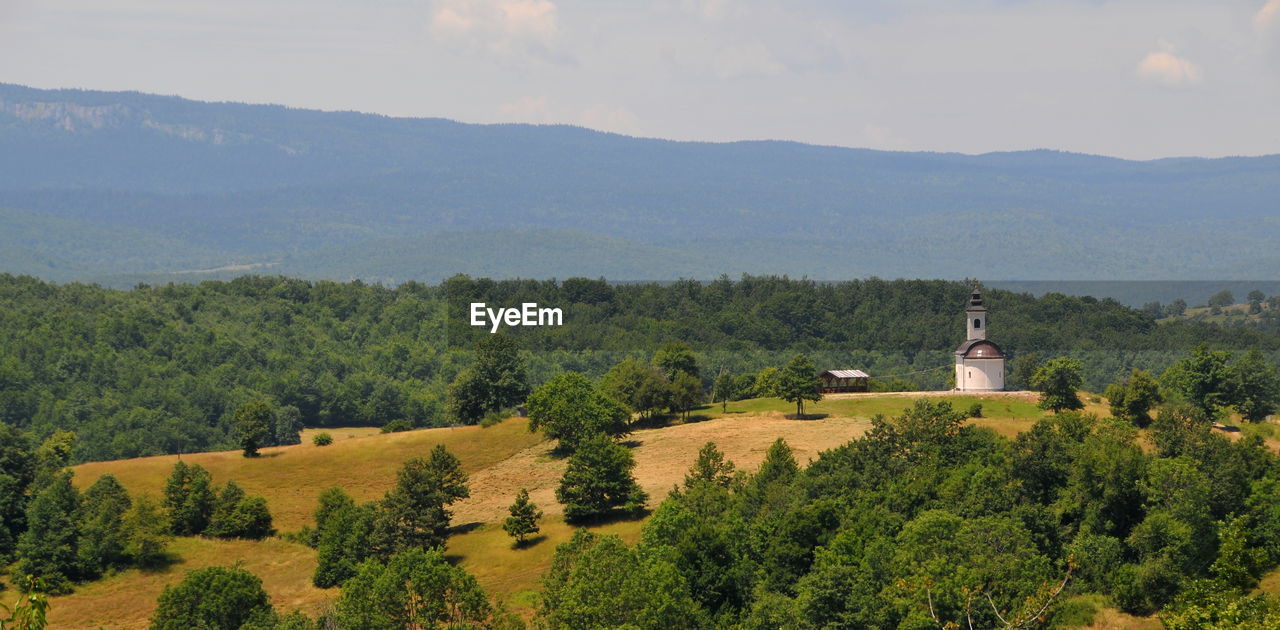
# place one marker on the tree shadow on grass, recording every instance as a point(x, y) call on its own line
point(463, 528)
point(532, 541)
point(162, 564)
point(609, 518)
point(806, 416)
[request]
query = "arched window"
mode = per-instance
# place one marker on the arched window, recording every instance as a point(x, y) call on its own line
point(977, 323)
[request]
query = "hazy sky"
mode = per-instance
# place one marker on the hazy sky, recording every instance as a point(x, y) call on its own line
point(1138, 79)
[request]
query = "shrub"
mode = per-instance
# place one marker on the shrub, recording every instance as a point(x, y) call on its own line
point(214, 598)
point(975, 410)
point(398, 425)
point(322, 439)
point(493, 417)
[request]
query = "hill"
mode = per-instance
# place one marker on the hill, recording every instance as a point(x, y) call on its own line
point(499, 460)
point(177, 185)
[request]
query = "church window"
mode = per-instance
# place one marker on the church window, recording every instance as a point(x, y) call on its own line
point(977, 323)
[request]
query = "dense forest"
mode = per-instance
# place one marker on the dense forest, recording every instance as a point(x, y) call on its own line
point(162, 369)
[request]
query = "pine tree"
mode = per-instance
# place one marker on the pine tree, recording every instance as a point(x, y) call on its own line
point(48, 549)
point(415, 514)
point(710, 467)
point(523, 521)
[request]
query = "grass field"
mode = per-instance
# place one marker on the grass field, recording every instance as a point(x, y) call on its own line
point(500, 460)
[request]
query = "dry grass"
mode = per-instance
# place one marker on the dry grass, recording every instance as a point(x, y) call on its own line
point(125, 600)
point(292, 477)
point(1112, 619)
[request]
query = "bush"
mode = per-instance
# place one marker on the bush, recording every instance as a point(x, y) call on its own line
point(214, 598)
point(398, 425)
point(975, 410)
point(493, 417)
point(322, 439)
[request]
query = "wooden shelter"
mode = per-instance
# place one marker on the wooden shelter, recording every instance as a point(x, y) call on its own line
point(840, 381)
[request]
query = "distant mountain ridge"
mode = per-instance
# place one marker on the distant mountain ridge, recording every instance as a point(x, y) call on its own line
point(110, 185)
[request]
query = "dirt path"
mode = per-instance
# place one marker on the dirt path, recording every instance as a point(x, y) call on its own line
point(1026, 395)
point(663, 456)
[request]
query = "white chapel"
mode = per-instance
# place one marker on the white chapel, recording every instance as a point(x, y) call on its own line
point(979, 361)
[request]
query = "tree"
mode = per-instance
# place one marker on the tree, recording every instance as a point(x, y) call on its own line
point(638, 385)
point(343, 543)
point(498, 380)
point(189, 497)
point(598, 481)
point(798, 382)
point(213, 598)
point(288, 427)
point(17, 471)
point(1133, 399)
point(1256, 388)
point(49, 547)
point(53, 455)
point(710, 467)
point(686, 392)
point(523, 521)
point(1222, 298)
point(724, 389)
point(598, 582)
point(237, 515)
point(145, 529)
point(253, 422)
point(29, 612)
point(1203, 379)
point(1022, 368)
point(1176, 308)
point(102, 537)
point(766, 383)
point(415, 514)
point(675, 357)
point(1057, 380)
point(414, 589)
point(570, 409)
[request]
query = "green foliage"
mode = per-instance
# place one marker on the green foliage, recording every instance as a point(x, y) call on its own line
point(1222, 298)
point(237, 515)
point(322, 439)
point(254, 421)
point(103, 539)
point(797, 382)
point(49, 548)
point(214, 598)
point(640, 386)
point(415, 513)
point(710, 467)
point(342, 540)
point(1057, 380)
point(598, 481)
point(31, 610)
point(17, 471)
point(1133, 399)
point(1202, 379)
point(974, 411)
point(598, 582)
point(399, 425)
point(498, 380)
point(189, 498)
point(523, 521)
point(686, 392)
point(570, 409)
point(675, 358)
point(1256, 386)
point(725, 388)
point(413, 589)
point(146, 533)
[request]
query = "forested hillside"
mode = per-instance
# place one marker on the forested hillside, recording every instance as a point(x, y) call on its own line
point(161, 369)
point(179, 185)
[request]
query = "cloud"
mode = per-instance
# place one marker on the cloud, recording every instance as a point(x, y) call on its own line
point(529, 109)
point(1167, 68)
point(500, 27)
point(752, 59)
point(1268, 17)
point(605, 118)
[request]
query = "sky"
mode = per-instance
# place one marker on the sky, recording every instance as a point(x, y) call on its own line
point(1134, 79)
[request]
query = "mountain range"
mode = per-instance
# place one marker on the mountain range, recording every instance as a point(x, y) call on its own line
point(123, 187)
